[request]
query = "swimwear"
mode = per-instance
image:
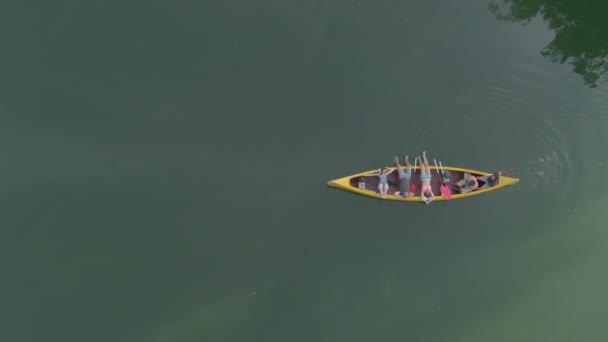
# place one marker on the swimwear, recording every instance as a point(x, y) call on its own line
point(424, 188)
point(383, 179)
point(425, 176)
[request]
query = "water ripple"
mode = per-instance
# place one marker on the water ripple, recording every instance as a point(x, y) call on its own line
point(524, 102)
point(552, 170)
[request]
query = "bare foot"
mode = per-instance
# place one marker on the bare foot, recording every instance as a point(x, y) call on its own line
point(406, 158)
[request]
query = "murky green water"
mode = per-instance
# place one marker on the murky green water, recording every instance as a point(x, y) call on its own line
point(164, 170)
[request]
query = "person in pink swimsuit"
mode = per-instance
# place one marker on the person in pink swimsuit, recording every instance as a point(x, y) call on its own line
point(426, 192)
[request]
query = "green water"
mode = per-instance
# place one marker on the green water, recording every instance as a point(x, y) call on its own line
point(164, 170)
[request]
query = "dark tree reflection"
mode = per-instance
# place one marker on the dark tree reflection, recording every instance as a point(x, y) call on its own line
point(581, 31)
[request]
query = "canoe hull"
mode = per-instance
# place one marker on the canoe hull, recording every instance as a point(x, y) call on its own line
point(351, 183)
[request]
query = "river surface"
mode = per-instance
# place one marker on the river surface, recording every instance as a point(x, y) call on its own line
point(164, 170)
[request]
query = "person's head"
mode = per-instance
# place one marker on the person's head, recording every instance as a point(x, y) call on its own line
point(427, 197)
point(471, 183)
point(493, 179)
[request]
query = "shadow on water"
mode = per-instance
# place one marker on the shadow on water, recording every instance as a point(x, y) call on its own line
point(580, 32)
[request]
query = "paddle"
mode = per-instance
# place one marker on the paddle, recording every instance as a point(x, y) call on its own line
point(444, 187)
point(412, 185)
point(508, 171)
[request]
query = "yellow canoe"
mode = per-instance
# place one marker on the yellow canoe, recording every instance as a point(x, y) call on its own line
point(364, 184)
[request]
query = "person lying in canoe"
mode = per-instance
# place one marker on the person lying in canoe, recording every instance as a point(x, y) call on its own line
point(447, 179)
point(426, 192)
point(383, 180)
point(467, 184)
point(404, 178)
point(489, 180)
